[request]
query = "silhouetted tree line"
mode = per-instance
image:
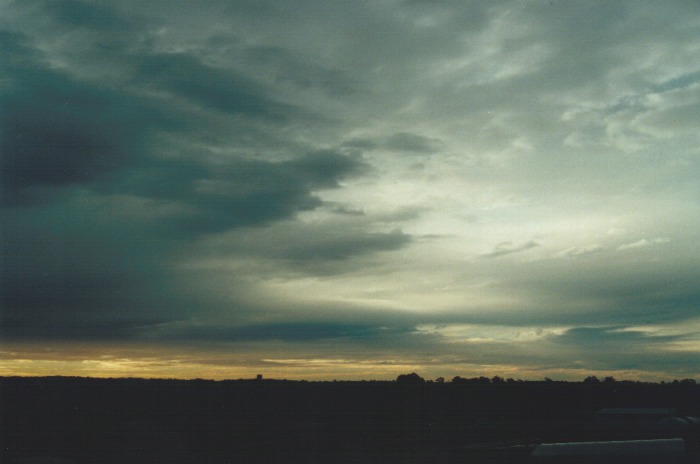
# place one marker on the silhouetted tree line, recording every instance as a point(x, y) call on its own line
point(415, 378)
point(273, 421)
point(483, 380)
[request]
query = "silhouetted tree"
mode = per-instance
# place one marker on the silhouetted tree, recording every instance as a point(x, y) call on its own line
point(410, 378)
point(609, 380)
point(440, 380)
point(591, 379)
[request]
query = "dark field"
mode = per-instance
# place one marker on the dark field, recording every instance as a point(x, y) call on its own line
point(79, 420)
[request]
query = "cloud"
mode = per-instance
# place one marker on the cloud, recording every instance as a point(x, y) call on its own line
point(92, 269)
point(213, 87)
point(292, 332)
point(582, 251)
point(322, 249)
point(95, 206)
point(284, 66)
point(483, 333)
point(335, 245)
point(278, 173)
point(506, 248)
point(72, 272)
point(240, 192)
point(76, 13)
point(407, 142)
point(643, 243)
point(610, 348)
point(56, 131)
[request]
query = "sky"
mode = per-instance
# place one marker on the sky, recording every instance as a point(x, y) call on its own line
point(324, 190)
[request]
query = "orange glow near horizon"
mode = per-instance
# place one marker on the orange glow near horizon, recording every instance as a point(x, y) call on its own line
point(100, 361)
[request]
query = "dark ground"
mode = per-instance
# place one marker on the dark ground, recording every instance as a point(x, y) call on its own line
point(269, 421)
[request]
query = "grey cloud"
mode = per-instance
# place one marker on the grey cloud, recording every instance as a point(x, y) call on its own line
point(78, 13)
point(506, 248)
point(343, 209)
point(600, 288)
point(216, 88)
point(89, 33)
point(58, 136)
point(345, 247)
point(681, 82)
point(404, 141)
point(73, 151)
point(283, 66)
point(606, 348)
point(608, 339)
point(583, 251)
point(400, 141)
point(105, 271)
point(361, 143)
point(295, 332)
point(249, 192)
point(319, 249)
point(585, 29)
point(402, 214)
point(585, 348)
point(140, 138)
point(56, 131)
point(582, 62)
point(642, 243)
point(72, 272)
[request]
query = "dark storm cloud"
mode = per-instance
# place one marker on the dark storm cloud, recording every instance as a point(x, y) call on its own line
point(348, 246)
point(284, 67)
point(617, 348)
point(89, 32)
point(71, 276)
point(615, 293)
point(401, 141)
point(298, 332)
point(56, 131)
point(215, 88)
point(74, 270)
point(361, 144)
point(318, 249)
point(241, 192)
point(585, 349)
point(404, 141)
point(609, 339)
point(97, 196)
point(78, 13)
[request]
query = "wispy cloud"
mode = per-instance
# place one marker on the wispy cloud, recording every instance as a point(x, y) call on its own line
point(506, 248)
point(643, 243)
